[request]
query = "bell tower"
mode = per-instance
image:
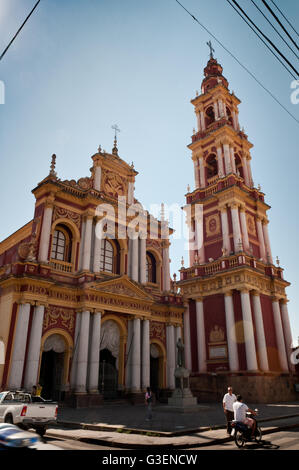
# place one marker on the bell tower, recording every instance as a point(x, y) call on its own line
point(236, 321)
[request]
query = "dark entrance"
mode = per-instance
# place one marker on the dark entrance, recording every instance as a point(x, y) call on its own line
point(154, 374)
point(51, 375)
point(108, 374)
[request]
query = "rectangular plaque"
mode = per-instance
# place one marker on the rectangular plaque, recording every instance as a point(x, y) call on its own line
point(217, 352)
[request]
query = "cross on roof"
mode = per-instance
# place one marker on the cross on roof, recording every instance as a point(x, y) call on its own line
point(116, 129)
point(211, 49)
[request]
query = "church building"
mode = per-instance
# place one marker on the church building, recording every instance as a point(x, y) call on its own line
point(88, 308)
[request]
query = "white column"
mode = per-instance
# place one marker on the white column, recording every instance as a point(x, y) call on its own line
point(87, 244)
point(198, 121)
point(225, 230)
point(245, 171)
point(97, 178)
point(202, 173)
point(221, 171)
point(82, 244)
point(201, 337)
point(34, 347)
point(94, 356)
point(145, 364)
point(221, 110)
point(267, 241)
point(227, 158)
point(187, 339)
point(244, 229)
point(248, 332)
point(280, 336)
point(215, 104)
point(260, 332)
point(287, 330)
point(231, 332)
point(19, 347)
point(236, 227)
point(232, 158)
point(97, 252)
point(45, 234)
point(129, 355)
point(196, 174)
point(202, 120)
point(136, 353)
point(81, 375)
point(135, 260)
point(234, 120)
point(170, 345)
point(166, 268)
point(131, 193)
point(260, 235)
point(142, 261)
point(75, 352)
point(250, 182)
point(199, 237)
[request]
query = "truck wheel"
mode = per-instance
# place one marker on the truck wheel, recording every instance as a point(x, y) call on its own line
point(41, 431)
point(8, 419)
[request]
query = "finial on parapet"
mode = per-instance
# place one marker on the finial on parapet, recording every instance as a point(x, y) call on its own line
point(53, 165)
point(182, 262)
point(162, 212)
point(277, 261)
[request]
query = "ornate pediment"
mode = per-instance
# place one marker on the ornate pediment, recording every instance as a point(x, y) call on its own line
point(122, 287)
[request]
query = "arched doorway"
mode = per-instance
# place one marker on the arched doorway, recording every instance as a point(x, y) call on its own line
point(156, 368)
point(52, 367)
point(109, 358)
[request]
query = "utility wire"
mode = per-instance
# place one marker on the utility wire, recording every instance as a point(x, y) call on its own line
point(267, 19)
point(267, 39)
point(279, 22)
point(21, 27)
point(240, 63)
point(285, 17)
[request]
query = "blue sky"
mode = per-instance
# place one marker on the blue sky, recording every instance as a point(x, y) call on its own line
point(80, 66)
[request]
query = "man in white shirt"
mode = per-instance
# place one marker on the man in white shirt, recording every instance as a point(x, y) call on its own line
point(228, 401)
point(240, 410)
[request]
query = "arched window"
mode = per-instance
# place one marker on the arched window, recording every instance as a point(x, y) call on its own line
point(229, 116)
point(107, 257)
point(210, 116)
point(61, 244)
point(211, 165)
point(151, 274)
point(239, 167)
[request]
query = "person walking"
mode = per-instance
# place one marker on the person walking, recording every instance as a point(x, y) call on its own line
point(228, 400)
point(148, 402)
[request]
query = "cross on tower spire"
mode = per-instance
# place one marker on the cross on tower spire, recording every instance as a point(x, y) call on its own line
point(116, 129)
point(211, 49)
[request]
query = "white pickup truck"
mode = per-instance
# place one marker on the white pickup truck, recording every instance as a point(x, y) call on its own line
point(27, 411)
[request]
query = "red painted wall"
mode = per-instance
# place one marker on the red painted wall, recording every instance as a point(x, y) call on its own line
point(239, 330)
point(214, 314)
point(270, 335)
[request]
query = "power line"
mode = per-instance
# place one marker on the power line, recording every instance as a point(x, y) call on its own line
point(240, 63)
point(267, 19)
point(267, 39)
point(284, 17)
point(279, 22)
point(21, 27)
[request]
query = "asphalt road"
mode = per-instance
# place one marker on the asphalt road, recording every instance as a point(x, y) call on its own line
point(71, 444)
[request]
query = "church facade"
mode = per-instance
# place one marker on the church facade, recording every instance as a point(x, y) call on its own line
point(87, 305)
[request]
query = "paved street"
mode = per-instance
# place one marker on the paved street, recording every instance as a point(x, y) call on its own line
point(283, 440)
point(69, 444)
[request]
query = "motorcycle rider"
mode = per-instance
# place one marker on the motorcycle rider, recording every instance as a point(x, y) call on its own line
point(240, 410)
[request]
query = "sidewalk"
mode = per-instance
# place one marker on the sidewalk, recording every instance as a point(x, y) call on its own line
point(124, 425)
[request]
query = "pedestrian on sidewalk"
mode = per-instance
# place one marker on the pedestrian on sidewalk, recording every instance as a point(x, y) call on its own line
point(228, 400)
point(148, 402)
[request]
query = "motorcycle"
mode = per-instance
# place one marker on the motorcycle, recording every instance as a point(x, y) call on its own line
point(242, 433)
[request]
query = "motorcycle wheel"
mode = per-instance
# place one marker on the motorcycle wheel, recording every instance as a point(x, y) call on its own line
point(258, 434)
point(239, 439)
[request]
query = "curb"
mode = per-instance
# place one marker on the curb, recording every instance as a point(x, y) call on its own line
point(132, 446)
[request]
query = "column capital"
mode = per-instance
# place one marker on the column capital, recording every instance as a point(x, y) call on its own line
point(199, 299)
point(234, 205)
point(244, 290)
point(228, 293)
point(242, 208)
point(255, 293)
point(265, 221)
point(284, 301)
point(275, 298)
point(89, 214)
point(223, 208)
